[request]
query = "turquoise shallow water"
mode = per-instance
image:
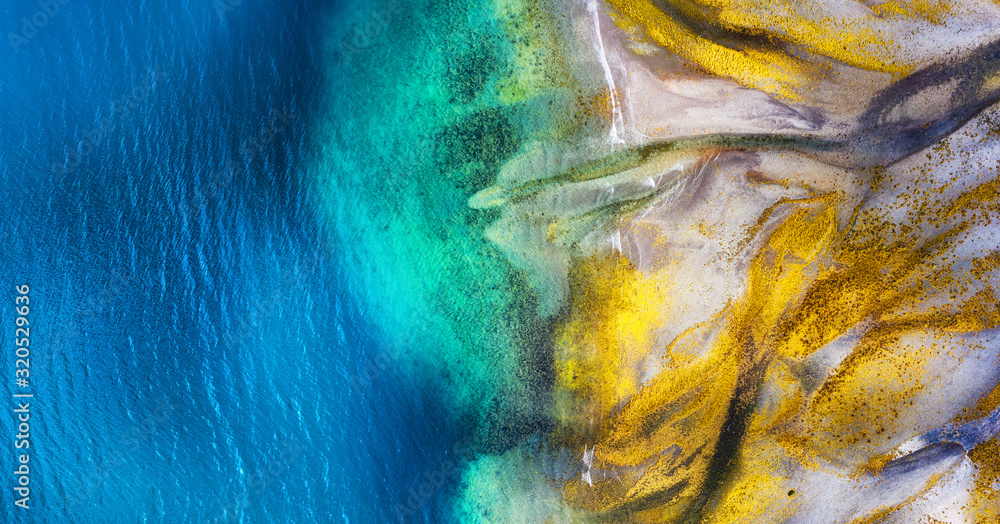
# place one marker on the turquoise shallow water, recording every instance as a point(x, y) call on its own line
point(415, 128)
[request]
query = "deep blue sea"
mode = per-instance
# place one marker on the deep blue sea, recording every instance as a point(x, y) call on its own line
point(199, 351)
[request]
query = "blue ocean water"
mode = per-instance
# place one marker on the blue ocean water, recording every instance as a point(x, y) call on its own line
point(199, 353)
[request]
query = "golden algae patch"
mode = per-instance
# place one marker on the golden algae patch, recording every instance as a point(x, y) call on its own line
point(984, 503)
point(760, 492)
point(987, 404)
point(780, 399)
point(839, 300)
point(609, 333)
point(598, 106)
point(848, 40)
point(675, 409)
point(769, 70)
point(860, 411)
point(782, 47)
point(874, 397)
point(779, 273)
point(933, 11)
point(887, 273)
point(916, 300)
point(661, 440)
